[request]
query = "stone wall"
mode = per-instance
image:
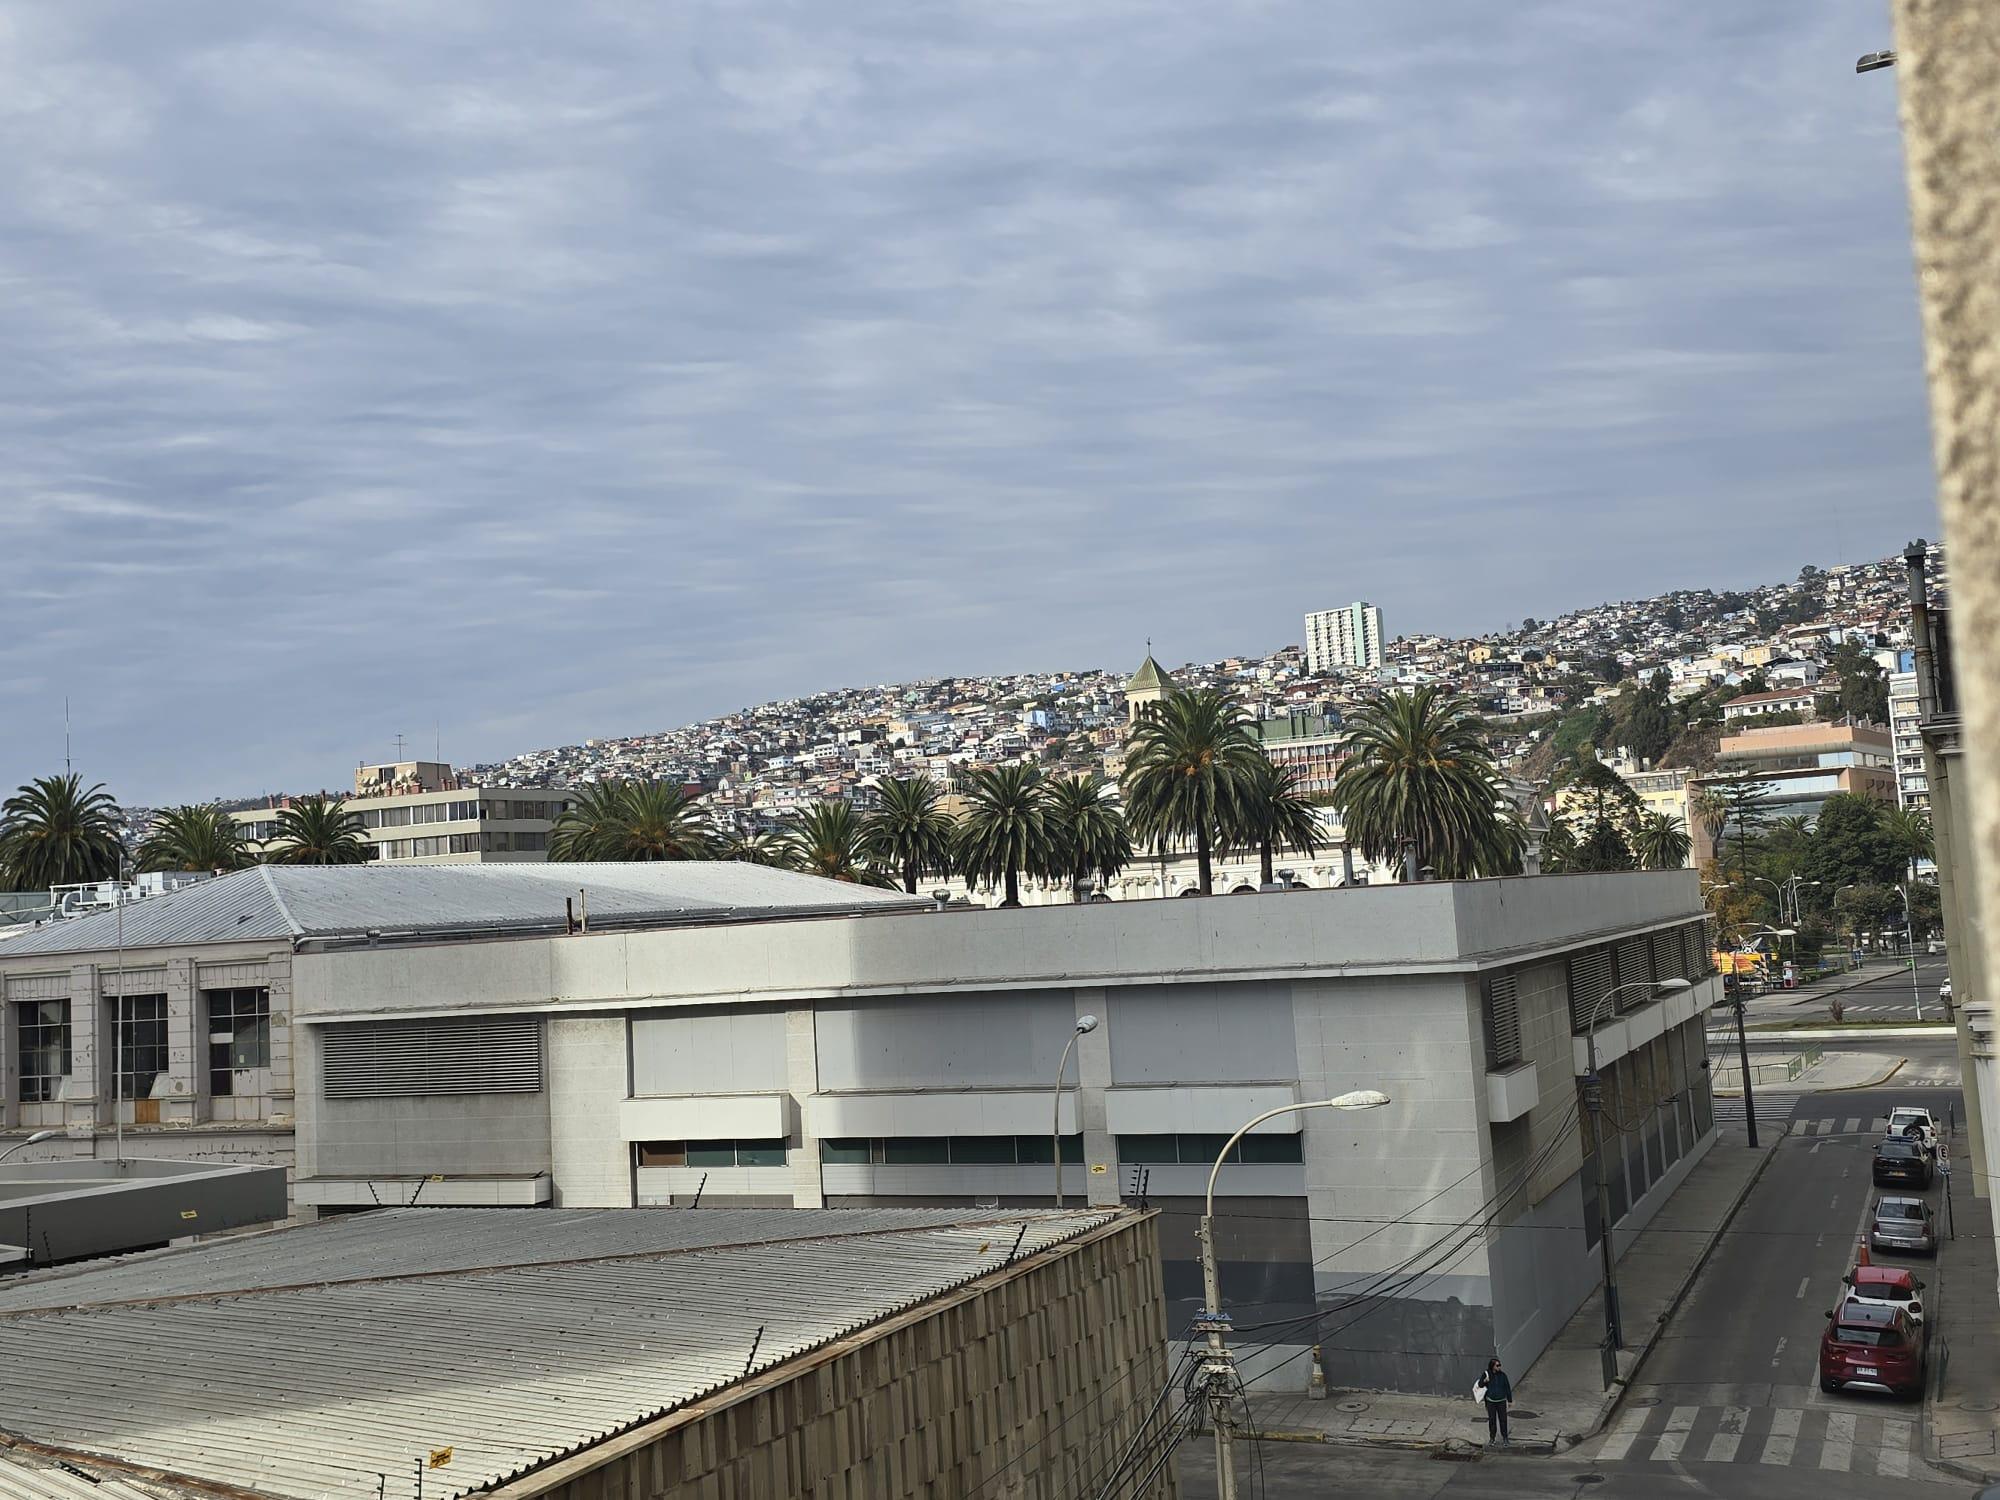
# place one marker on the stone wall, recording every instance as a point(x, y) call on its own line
point(1021, 1385)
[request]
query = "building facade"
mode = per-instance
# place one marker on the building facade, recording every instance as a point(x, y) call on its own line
point(418, 812)
point(908, 1057)
point(1310, 746)
point(1350, 636)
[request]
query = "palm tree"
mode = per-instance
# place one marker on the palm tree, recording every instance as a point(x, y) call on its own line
point(635, 821)
point(1274, 815)
point(53, 832)
point(1559, 847)
point(1187, 765)
point(1420, 778)
point(752, 849)
point(830, 839)
point(319, 830)
point(1909, 829)
point(194, 837)
point(1087, 834)
point(1006, 831)
point(908, 832)
point(1660, 842)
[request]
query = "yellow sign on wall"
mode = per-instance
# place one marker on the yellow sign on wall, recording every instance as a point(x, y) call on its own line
point(439, 1458)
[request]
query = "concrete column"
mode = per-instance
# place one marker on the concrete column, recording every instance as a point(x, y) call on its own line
point(587, 1073)
point(280, 1101)
point(186, 1083)
point(1982, 1080)
point(10, 1060)
point(802, 1081)
point(1093, 1070)
point(89, 1045)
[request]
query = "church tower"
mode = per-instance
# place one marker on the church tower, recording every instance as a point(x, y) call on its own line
point(1149, 684)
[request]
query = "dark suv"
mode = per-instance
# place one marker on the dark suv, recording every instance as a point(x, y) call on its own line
point(1900, 1162)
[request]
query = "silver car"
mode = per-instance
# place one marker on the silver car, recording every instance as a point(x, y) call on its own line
point(1904, 1225)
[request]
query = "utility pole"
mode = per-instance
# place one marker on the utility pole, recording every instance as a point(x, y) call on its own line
point(1743, 1053)
point(1593, 1098)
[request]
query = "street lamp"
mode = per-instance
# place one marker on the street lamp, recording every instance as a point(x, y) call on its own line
point(1868, 62)
point(34, 1140)
point(1084, 1026)
point(1593, 1095)
point(1910, 937)
point(1217, 1372)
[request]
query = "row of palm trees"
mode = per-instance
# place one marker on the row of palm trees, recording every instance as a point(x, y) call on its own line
point(56, 831)
point(1420, 785)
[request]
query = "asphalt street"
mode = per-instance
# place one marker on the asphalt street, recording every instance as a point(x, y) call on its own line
point(1729, 1403)
point(1885, 998)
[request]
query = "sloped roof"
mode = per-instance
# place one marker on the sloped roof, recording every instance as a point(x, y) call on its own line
point(1150, 676)
point(317, 1370)
point(279, 903)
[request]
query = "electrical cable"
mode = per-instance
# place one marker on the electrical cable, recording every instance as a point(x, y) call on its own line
point(1096, 1479)
point(1173, 1440)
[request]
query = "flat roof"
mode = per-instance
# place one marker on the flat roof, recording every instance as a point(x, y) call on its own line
point(286, 903)
point(315, 1361)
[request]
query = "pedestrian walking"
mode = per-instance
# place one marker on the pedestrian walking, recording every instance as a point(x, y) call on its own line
point(1495, 1390)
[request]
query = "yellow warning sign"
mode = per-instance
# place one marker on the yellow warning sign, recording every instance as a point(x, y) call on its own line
point(439, 1458)
point(1098, 1168)
point(188, 1213)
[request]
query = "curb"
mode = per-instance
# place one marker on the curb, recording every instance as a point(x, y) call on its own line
point(1531, 1447)
point(1838, 1088)
point(1609, 1406)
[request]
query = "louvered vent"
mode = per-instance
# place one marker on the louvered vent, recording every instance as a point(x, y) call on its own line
point(391, 1059)
point(1590, 980)
point(1669, 959)
point(1503, 1022)
point(1635, 969)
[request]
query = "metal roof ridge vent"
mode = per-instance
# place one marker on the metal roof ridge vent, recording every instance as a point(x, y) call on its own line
point(278, 900)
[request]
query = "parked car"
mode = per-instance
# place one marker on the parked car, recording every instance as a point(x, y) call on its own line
point(1875, 1348)
point(1907, 1119)
point(1902, 1162)
point(1886, 1286)
point(1905, 1225)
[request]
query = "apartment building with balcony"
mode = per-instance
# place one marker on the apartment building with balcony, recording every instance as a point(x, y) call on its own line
point(420, 812)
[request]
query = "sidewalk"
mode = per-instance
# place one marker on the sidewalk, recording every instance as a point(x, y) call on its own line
point(1962, 1413)
point(1561, 1398)
point(1835, 1072)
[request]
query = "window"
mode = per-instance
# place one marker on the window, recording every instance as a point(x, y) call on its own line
point(1201, 1150)
point(139, 1027)
point(527, 841)
point(466, 811)
point(711, 1153)
point(938, 1150)
point(464, 843)
point(845, 1152)
point(239, 1035)
point(44, 1049)
point(395, 817)
point(916, 1150)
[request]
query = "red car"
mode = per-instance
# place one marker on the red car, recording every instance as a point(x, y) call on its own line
point(1872, 1347)
point(1889, 1286)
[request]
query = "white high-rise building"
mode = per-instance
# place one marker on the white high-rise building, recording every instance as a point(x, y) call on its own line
point(1346, 637)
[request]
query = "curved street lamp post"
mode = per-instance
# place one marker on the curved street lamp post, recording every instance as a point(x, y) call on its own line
point(1218, 1370)
point(1084, 1026)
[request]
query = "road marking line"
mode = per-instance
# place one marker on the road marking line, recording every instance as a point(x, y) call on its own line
point(1624, 1433)
point(1729, 1437)
point(1674, 1436)
point(1850, 1127)
point(1837, 1451)
point(1892, 1459)
point(1815, 1149)
point(1804, 1282)
point(1778, 1353)
point(1783, 1440)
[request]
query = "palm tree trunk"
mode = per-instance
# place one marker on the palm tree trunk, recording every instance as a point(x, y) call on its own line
point(1013, 888)
point(909, 877)
point(1203, 866)
point(1264, 862)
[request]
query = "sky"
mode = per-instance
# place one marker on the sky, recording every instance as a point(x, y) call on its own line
point(503, 374)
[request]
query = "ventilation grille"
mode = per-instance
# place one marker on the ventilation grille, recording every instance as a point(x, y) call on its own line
point(1590, 980)
point(1635, 969)
point(1669, 955)
point(391, 1059)
point(1503, 1021)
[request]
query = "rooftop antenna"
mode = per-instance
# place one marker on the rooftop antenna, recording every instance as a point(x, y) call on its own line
point(66, 765)
point(399, 747)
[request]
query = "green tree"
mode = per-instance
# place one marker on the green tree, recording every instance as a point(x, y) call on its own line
point(832, 840)
point(1186, 768)
point(1861, 687)
point(1910, 830)
point(1603, 847)
point(752, 849)
point(194, 837)
point(319, 830)
point(632, 821)
point(909, 832)
point(1851, 845)
point(1660, 842)
point(1419, 777)
point(1272, 814)
point(1558, 848)
point(1744, 804)
point(1005, 833)
point(53, 832)
point(1088, 839)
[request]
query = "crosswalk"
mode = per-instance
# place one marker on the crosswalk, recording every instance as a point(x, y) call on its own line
point(1774, 1108)
point(1870, 1125)
point(1857, 1441)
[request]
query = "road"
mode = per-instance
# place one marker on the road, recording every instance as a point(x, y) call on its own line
point(1884, 998)
point(1728, 1405)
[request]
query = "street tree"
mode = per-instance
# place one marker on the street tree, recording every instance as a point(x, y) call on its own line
point(831, 840)
point(199, 837)
point(319, 830)
point(640, 821)
point(1187, 769)
point(1660, 842)
point(1088, 839)
point(910, 833)
point(1005, 834)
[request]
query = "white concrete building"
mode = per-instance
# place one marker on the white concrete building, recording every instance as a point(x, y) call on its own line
point(1350, 636)
point(417, 812)
point(874, 1051)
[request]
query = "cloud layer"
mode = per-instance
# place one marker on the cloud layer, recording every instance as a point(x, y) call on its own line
point(535, 372)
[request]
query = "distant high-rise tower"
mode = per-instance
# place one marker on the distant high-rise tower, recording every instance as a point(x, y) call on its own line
point(1349, 637)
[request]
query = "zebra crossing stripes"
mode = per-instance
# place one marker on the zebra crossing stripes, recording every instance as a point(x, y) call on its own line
point(1852, 1125)
point(1774, 1108)
point(1859, 1439)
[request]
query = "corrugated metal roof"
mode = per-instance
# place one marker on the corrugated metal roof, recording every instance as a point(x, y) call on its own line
point(21, 1480)
point(279, 902)
point(334, 1390)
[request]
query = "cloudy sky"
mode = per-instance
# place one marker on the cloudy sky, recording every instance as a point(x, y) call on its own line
point(528, 372)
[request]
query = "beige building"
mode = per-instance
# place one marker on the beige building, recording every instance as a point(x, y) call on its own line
point(419, 812)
